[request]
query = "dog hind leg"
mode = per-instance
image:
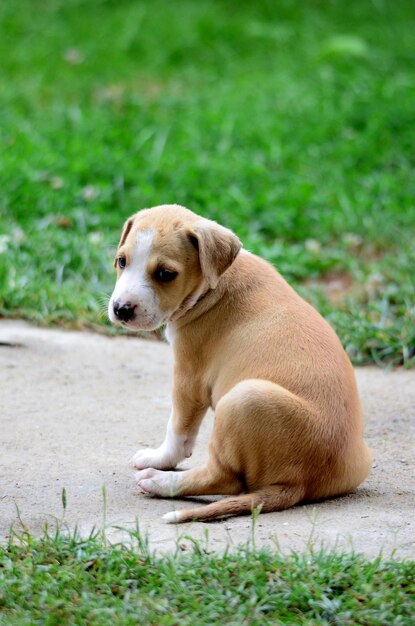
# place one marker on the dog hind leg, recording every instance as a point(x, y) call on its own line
point(253, 448)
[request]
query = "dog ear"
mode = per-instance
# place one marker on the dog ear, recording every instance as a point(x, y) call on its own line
point(217, 246)
point(125, 231)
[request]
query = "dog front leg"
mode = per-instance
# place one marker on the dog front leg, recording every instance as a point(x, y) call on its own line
point(181, 433)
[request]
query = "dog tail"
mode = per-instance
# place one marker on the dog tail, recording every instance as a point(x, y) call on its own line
point(272, 498)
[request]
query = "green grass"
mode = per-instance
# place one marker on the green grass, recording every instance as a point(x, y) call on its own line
point(62, 580)
point(292, 123)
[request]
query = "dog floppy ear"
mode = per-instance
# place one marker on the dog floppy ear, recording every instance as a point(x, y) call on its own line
point(217, 246)
point(125, 231)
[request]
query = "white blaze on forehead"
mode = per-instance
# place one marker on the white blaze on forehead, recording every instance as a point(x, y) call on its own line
point(134, 285)
point(135, 274)
point(141, 252)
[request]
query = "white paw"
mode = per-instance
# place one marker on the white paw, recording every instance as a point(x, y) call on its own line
point(173, 450)
point(153, 482)
point(158, 458)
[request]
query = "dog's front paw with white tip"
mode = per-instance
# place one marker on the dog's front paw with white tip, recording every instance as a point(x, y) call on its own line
point(154, 482)
point(174, 449)
point(153, 457)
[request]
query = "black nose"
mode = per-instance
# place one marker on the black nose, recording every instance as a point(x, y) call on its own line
point(124, 313)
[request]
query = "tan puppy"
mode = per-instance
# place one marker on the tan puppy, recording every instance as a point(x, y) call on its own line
point(288, 424)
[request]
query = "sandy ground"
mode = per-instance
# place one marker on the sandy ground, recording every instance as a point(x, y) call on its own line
point(74, 407)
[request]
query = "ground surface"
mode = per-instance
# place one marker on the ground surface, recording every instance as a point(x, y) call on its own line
point(75, 406)
point(291, 123)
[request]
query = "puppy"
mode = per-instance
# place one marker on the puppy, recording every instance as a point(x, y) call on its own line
point(288, 423)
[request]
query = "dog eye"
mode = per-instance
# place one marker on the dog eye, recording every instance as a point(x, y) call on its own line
point(122, 262)
point(164, 276)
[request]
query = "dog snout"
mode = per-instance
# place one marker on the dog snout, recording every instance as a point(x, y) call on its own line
point(124, 312)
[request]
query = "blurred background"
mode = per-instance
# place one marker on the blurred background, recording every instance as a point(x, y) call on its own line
point(293, 123)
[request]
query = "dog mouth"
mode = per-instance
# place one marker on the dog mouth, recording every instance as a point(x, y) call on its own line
point(141, 323)
point(130, 317)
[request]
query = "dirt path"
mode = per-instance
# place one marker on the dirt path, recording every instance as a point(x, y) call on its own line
point(75, 406)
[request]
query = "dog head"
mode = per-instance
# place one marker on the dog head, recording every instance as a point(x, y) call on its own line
point(167, 258)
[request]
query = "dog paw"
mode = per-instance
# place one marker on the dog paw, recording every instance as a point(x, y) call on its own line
point(152, 457)
point(153, 482)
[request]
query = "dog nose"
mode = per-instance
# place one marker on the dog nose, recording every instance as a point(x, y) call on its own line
point(124, 313)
